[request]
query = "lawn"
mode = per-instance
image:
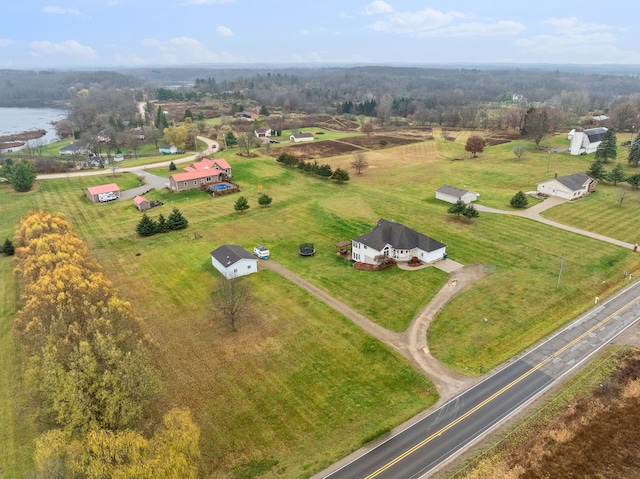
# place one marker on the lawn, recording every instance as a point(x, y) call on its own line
point(298, 386)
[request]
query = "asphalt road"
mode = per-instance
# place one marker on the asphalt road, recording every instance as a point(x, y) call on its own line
point(421, 448)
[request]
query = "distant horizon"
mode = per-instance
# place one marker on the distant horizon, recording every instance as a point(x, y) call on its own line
point(122, 33)
point(319, 65)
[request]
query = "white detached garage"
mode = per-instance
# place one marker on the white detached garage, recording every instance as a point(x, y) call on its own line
point(233, 261)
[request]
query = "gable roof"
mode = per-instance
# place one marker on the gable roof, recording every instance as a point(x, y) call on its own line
point(574, 182)
point(96, 190)
point(72, 148)
point(398, 236)
point(262, 129)
point(302, 135)
point(139, 200)
point(195, 175)
point(452, 191)
point(595, 134)
point(222, 164)
point(229, 254)
point(205, 164)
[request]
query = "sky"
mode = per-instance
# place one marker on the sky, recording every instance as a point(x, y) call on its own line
point(68, 34)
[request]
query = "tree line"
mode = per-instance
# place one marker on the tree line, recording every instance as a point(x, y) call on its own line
point(88, 365)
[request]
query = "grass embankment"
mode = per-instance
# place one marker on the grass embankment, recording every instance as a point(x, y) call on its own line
point(582, 431)
point(298, 386)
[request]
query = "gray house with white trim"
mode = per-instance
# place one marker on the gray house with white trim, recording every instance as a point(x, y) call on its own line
point(395, 240)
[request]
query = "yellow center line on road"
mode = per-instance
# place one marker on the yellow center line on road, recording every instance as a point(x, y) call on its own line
point(496, 394)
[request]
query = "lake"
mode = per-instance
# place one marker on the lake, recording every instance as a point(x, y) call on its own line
point(18, 119)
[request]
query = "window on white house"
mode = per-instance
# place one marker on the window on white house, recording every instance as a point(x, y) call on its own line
point(195, 182)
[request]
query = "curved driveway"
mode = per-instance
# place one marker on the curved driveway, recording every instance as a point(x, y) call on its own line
point(533, 213)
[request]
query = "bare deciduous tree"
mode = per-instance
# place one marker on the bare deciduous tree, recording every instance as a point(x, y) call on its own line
point(367, 128)
point(519, 150)
point(359, 161)
point(231, 299)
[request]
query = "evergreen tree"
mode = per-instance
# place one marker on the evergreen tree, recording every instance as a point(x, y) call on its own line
point(264, 111)
point(22, 175)
point(634, 180)
point(188, 114)
point(264, 200)
point(176, 221)
point(340, 175)
point(634, 152)
point(457, 208)
point(617, 174)
point(146, 226)
point(519, 200)
point(470, 212)
point(596, 170)
point(172, 166)
point(161, 120)
point(608, 147)
point(230, 139)
point(241, 205)
point(7, 248)
point(325, 171)
point(6, 167)
point(161, 225)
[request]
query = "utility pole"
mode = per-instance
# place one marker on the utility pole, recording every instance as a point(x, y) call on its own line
point(560, 272)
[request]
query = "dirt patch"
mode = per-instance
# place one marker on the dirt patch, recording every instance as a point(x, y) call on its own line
point(376, 142)
point(328, 148)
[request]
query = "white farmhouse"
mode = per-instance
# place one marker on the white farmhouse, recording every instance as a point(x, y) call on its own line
point(396, 241)
point(569, 187)
point(233, 261)
point(584, 142)
point(451, 194)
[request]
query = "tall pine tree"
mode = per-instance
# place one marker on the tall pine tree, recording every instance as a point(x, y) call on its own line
point(176, 221)
point(608, 147)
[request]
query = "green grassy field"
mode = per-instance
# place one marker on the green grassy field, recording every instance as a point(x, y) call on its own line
point(298, 386)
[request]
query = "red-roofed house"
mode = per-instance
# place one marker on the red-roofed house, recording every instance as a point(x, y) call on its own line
point(207, 164)
point(141, 203)
point(194, 179)
point(97, 194)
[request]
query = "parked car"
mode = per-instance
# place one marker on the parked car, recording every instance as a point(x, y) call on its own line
point(274, 141)
point(261, 252)
point(104, 197)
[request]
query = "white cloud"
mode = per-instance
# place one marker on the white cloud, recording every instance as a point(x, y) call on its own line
point(306, 32)
point(573, 25)
point(378, 6)
point(477, 30)
point(112, 3)
point(69, 48)
point(60, 11)
point(576, 42)
point(224, 31)
point(186, 50)
point(416, 22)
point(5, 42)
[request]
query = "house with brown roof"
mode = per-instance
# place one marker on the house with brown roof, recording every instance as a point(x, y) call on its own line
point(396, 241)
point(262, 132)
point(103, 193)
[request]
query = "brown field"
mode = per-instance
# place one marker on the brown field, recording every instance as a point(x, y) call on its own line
point(585, 435)
point(329, 148)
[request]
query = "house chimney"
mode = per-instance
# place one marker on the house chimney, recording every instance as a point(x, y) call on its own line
point(556, 175)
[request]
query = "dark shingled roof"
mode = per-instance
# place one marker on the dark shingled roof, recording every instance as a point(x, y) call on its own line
point(595, 134)
point(398, 236)
point(452, 191)
point(574, 182)
point(229, 254)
